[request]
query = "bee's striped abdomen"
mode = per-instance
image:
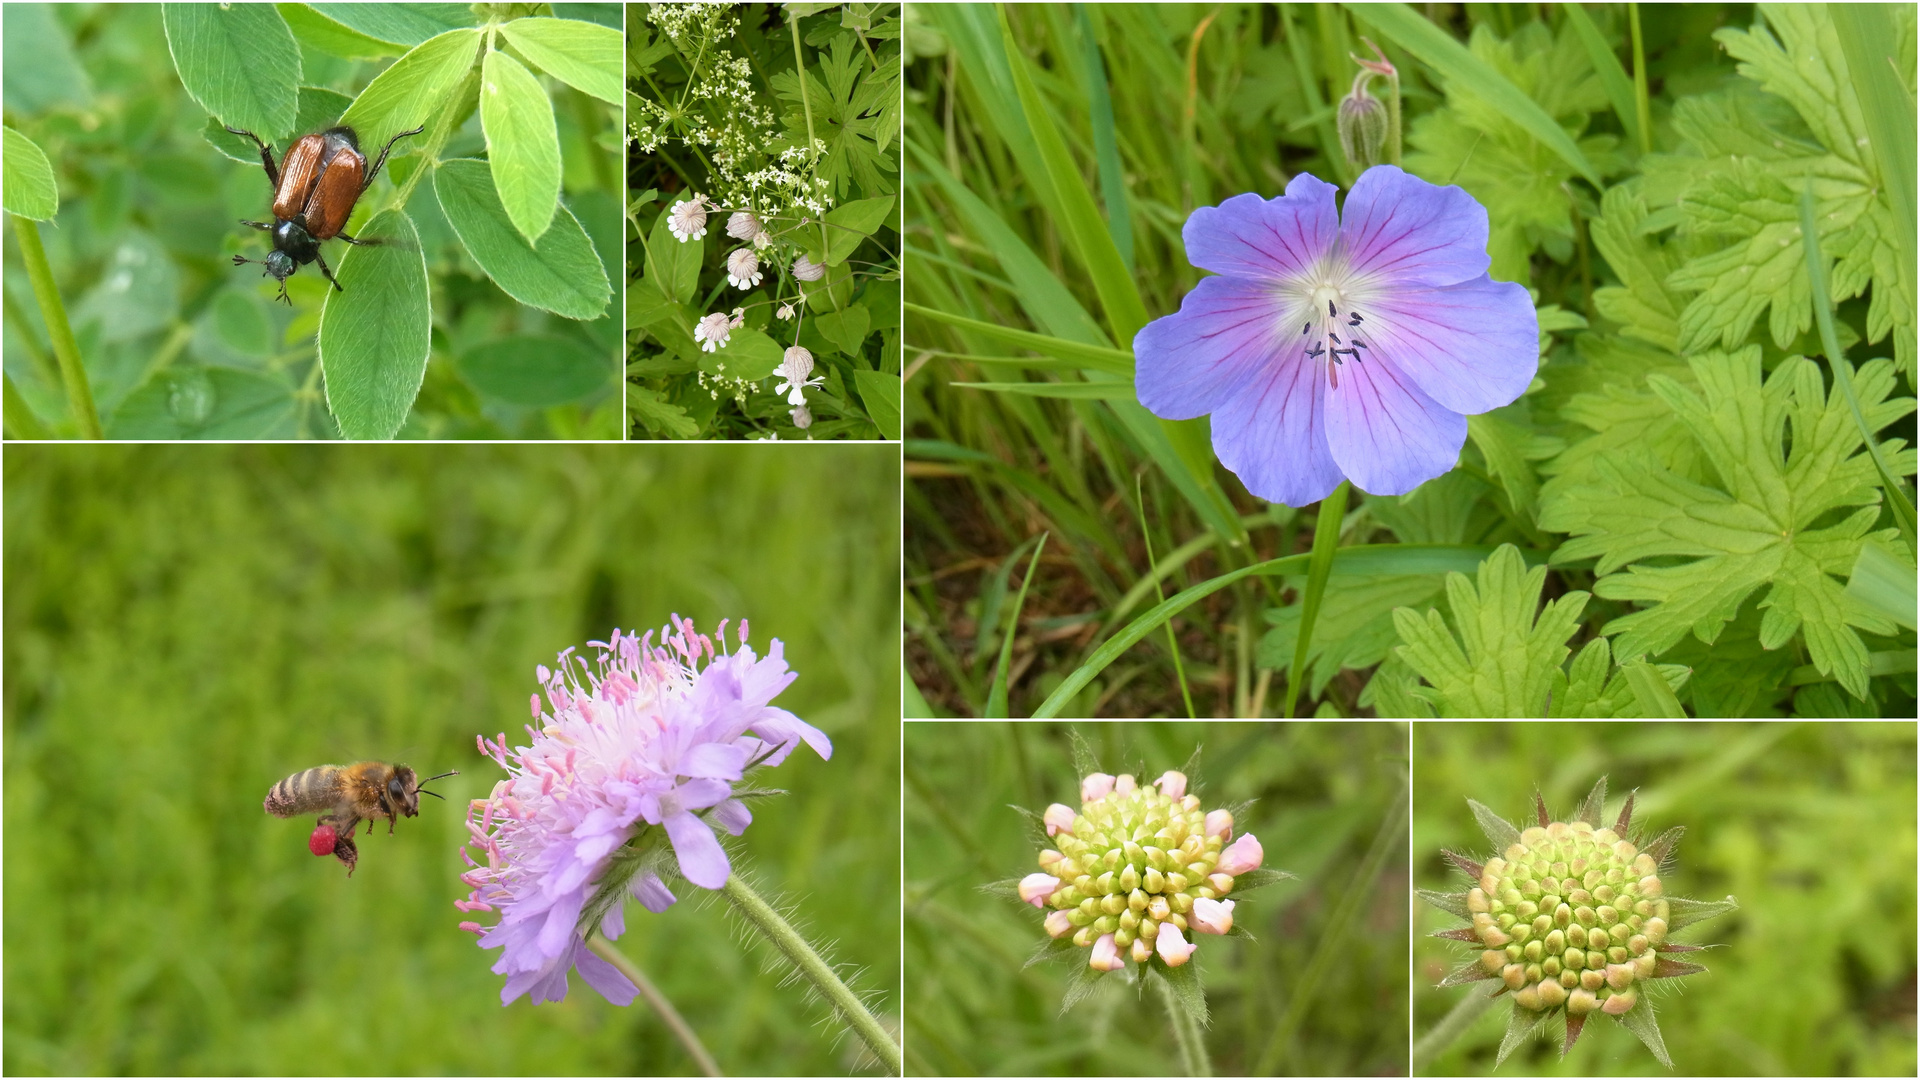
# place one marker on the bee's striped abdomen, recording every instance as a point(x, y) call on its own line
point(304, 792)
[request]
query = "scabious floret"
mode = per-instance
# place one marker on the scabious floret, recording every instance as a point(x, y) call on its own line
point(1572, 918)
point(1136, 869)
point(643, 736)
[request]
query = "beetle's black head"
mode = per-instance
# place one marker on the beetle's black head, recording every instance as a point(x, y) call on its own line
point(279, 266)
point(294, 244)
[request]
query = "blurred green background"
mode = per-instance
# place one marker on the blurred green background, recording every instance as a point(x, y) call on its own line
point(1322, 989)
point(1810, 826)
point(181, 344)
point(184, 626)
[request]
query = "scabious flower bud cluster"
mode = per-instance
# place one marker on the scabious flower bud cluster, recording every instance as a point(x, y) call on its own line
point(1137, 869)
point(1571, 920)
point(1571, 915)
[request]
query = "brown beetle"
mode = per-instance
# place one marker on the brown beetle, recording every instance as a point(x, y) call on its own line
point(314, 191)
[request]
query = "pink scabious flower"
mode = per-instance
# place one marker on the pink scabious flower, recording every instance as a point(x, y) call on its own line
point(1347, 344)
point(1244, 855)
point(687, 220)
point(643, 736)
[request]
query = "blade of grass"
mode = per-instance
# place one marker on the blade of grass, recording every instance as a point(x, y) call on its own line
point(1098, 357)
point(1433, 47)
point(1106, 148)
point(997, 692)
point(1868, 38)
point(1842, 372)
point(1642, 105)
point(1076, 391)
point(1153, 574)
point(1359, 559)
point(1326, 540)
point(1297, 47)
point(1613, 77)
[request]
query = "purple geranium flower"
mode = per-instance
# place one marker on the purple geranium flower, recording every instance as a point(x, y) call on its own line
point(1333, 347)
point(645, 736)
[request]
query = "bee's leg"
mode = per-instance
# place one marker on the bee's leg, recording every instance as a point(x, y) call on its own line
point(347, 853)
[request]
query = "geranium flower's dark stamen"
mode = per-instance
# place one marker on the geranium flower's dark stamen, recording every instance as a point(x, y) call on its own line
point(1317, 351)
point(1306, 329)
point(1331, 313)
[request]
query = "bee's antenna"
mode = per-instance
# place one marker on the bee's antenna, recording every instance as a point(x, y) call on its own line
point(421, 787)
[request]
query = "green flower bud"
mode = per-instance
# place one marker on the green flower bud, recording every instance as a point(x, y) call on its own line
point(1362, 125)
point(1129, 878)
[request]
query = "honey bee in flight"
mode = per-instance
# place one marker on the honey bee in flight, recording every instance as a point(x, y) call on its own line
point(346, 796)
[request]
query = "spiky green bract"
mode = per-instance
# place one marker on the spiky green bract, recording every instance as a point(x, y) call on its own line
point(1573, 919)
point(1505, 662)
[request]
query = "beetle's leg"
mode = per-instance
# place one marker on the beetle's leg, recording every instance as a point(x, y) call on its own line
point(351, 240)
point(317, 257)
point(383, 157)
point(257, 224)
point(266, 157)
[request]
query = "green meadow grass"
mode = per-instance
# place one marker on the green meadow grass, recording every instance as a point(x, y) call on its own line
point(186, 626)
point(1320, 989)
point(1809, 826)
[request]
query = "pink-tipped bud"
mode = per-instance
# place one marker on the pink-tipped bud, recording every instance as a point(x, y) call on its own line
point(1123, 784)
point(1049, 858)
point(1097, 786)
point(1171, 946)
point(1058, 819)
point(1057, 924)
point(1620, 1003)
point(1242, 856)
point(1035, 888)
point(1142, 950)
point(1582, 1001)
point(1211, 916)
point(1222, 883)
point(1106, 955)
point(1219, 823)
point(1173, 784)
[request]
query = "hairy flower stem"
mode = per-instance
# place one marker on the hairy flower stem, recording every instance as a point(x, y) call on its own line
point(1326, 538)
point(815, 970)
point(72, 373)
point(1187, 1035)
point(668, 1014)
point(1450, 1027)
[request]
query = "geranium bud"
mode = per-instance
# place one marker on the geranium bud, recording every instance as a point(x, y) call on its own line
point(1106, 955)
point(1244, 855)
point(1035, 888)
point(1212, 916)
point(1362, 124)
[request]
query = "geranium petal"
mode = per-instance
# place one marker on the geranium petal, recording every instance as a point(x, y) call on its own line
point(1404, 231)
point(1188, 363)
point(1272, 434)
point(1473, 346)
point(1247, 236)
point(1387, 436)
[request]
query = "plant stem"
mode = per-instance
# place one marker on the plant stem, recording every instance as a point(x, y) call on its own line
point(1160, 596)
point(1842, 372)
point(1187, 1036)
point(668, 1014)
point(1393, 117)
point(815, 970)
point(1451, 1027)
point(72, 373)
point(1326, 537)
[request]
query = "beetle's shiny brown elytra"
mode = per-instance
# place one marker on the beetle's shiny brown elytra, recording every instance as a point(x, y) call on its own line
point(314, 191)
